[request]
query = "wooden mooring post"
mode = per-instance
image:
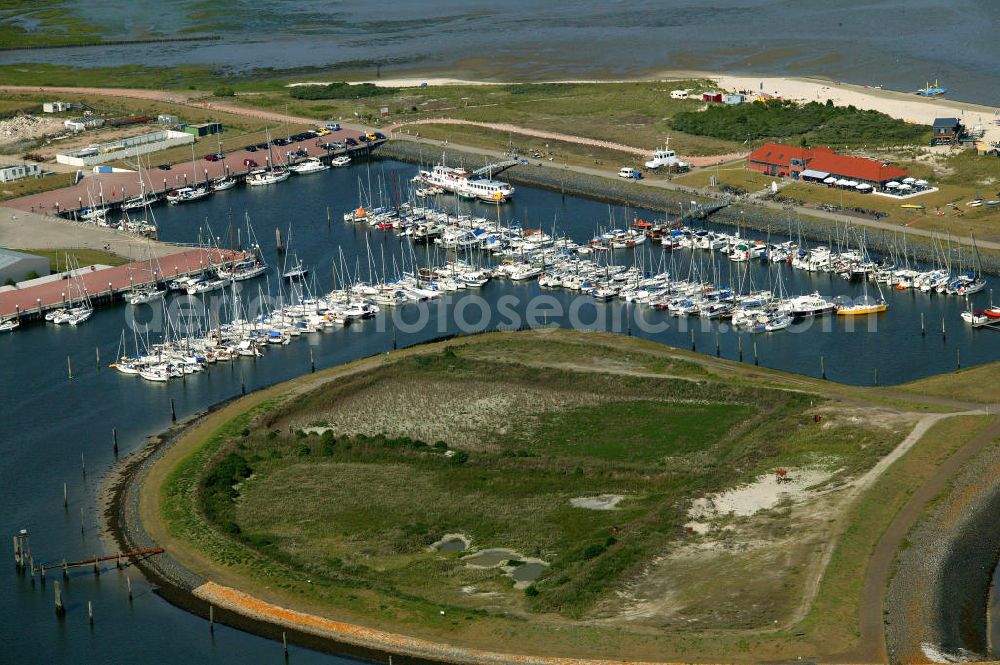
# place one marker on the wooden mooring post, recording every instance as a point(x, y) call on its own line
point(60, 609)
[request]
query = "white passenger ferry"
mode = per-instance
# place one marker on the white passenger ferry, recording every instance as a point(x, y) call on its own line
point(467, 184)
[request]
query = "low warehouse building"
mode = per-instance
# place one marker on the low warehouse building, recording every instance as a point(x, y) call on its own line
point(17, 266)
point(125, 148)
point(204, 129)
point(18, 171)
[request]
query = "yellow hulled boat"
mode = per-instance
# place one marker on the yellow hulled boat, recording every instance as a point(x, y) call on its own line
point(862, 309)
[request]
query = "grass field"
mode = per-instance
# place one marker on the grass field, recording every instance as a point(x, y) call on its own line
point(80, 256)
point(734, 175)
point(27, 186)
point(353, 506)
point(634, 114)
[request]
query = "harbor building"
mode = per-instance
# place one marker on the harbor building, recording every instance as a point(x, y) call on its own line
point(84, 123)
point(820, 164)
point(18, 171)
point(56, 107)
point(204, 129)
point(946, 131)
point(16, 266)
point(125, 148)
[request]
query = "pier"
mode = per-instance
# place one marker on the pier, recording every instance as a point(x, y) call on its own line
point(106, 285)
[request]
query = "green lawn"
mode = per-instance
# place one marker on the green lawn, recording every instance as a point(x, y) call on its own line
point(83, 257)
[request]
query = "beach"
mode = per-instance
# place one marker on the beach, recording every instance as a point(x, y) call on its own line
point(906, 106)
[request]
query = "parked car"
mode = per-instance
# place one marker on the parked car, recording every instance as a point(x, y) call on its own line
point(363, 138)
point(249, 163)
point(214, 157)
point(350, 141)
point(262, 146)
point(251, 148)
point(379, 135)
point(333, 126)
point(372, 136)
point(165, 167)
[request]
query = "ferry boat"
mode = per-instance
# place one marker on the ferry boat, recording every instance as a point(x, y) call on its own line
point(464, 183)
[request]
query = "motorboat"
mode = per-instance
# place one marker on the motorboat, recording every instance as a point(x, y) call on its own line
point(187, 194)
point(311, 165)
point(262, 177)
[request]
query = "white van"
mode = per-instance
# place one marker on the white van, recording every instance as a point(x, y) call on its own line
point(629, 172)
point(679, 94)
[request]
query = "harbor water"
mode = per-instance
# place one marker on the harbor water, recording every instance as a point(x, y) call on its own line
point(54, 425)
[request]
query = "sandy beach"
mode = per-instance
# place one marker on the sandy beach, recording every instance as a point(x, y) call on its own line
point(902, 105)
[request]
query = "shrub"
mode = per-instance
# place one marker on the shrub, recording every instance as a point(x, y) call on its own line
point(460, 457)
point(816, 123)
point(224, 91)
point(593, 551)
point(530, 590)
point(340, 90)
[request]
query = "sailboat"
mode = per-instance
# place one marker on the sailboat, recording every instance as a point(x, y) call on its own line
point(270, 175)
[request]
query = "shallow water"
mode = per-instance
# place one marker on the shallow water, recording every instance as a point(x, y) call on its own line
point(898, 44)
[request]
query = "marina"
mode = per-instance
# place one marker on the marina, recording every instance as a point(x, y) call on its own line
point(701, 286)
point(276, 262)
point(134, 405)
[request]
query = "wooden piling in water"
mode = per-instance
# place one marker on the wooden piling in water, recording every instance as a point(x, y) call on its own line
point(739, 344)
point(922, 331)
point(65, 496)
point(60, 610)
point(69, 367)
point(97, 357)
point(128, 586)
point(692, 341)
point(284, 643)
point(958, 358)
point(718, 345)
point(173, 411)
point(114, 438)
point(97, 566)
point(755, 360)
point(90, 612)
point(211, 618)
point(312, 361)
point(822, 368)
point(65, 570)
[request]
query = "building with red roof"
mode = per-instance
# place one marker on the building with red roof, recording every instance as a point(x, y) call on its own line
point(778, 160)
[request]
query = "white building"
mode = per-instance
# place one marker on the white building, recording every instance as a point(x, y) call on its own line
point(84, 123)
point(56, 107)
point(127, 148)
point(18, 171)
